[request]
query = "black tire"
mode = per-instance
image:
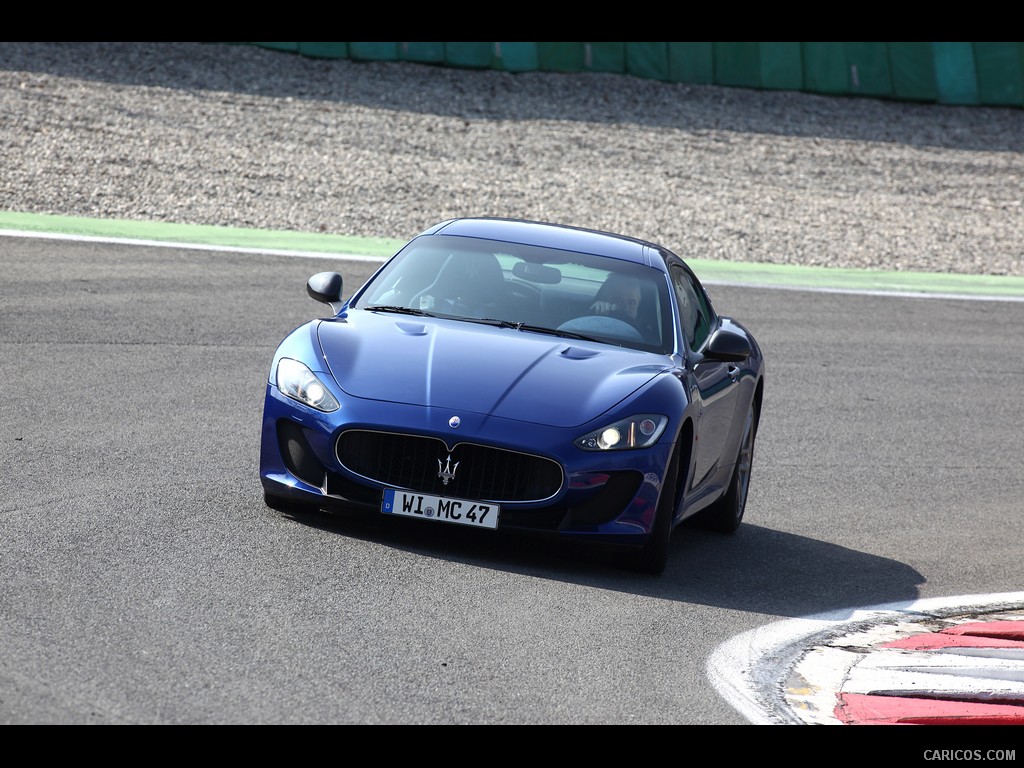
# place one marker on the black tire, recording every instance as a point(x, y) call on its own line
point(726, 514)
point(653, 557)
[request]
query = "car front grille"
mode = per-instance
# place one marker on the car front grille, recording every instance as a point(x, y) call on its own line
point(419, 463)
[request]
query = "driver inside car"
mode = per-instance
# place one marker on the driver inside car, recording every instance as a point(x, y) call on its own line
point(619, 297)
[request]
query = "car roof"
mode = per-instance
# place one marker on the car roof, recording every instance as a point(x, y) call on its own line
point(549, 235)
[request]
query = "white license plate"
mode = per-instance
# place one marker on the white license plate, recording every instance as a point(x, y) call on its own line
point(440, 508)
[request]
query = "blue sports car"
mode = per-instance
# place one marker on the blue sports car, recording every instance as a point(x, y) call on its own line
point(504, 374)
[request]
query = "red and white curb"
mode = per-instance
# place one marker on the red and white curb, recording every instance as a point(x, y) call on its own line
point(957, 660)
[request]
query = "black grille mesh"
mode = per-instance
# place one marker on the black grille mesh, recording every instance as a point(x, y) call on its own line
point(483, 472)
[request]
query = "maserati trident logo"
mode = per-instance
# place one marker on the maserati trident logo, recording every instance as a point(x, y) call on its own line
point(454, 422)
point(447, 472)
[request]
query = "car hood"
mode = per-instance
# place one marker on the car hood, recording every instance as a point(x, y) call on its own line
point(471, 367)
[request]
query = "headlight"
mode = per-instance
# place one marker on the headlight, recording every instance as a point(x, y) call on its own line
point(296, 380)
point(637, 431)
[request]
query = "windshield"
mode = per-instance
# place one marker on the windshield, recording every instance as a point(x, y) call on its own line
point(533, 289)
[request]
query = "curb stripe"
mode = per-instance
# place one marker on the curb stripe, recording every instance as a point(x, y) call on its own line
point(857, 709)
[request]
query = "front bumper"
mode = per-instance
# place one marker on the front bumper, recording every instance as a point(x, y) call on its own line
point(607, 496)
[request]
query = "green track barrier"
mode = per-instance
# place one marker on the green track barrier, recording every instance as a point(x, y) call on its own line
point(737, 64)
point(1000, 73)
point(373, 51)
point(560, 57)
point(324, 50)
point(867, 66)
point(519, 57)
point(825, 70)
point(605, 57)
point(781, 66)
point(425, 53)
point(691, 63)
point(290, 47)
point(955, 75)
point(913, 71)
point(469, 55)
point(986, 73)
point(647, 60)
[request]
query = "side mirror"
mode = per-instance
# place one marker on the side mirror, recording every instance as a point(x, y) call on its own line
point(727, 346)
point(325, 287)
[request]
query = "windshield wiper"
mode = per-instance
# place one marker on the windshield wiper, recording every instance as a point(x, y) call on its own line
point(562, 334)
point(493, 321)
point(538, 329)
point(519, 326)
point(400, 310)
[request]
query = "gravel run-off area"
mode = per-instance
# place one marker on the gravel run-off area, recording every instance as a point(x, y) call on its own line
point(241, 136)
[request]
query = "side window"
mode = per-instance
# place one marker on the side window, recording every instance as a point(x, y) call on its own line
point(694, 314)
point(705, 318)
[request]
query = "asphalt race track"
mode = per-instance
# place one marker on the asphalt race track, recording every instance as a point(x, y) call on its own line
point(148, 584)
